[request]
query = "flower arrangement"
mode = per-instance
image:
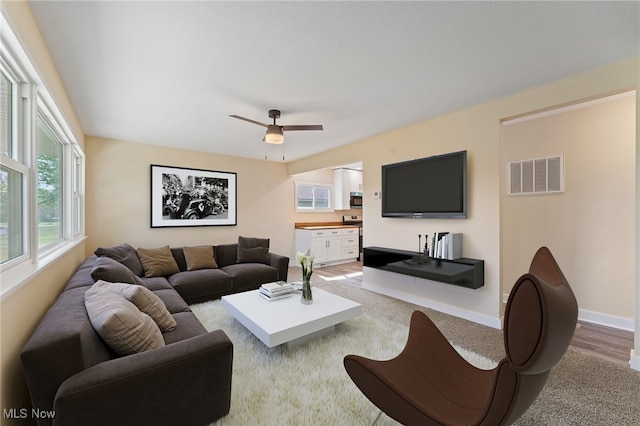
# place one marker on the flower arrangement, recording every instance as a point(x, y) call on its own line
point(306, 261)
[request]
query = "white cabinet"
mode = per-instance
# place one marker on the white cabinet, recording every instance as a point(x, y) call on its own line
point(329, 245)
point(345, 181)
point(349, 243)
point(355, 181)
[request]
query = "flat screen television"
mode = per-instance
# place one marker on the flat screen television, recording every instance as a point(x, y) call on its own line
point(431, 187)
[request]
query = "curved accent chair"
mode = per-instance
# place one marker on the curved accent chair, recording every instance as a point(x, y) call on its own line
point(429, 383)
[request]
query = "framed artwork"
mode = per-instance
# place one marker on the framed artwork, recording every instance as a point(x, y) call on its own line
point(192, 197)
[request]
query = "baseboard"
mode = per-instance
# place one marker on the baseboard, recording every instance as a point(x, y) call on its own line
point(436, 306)
point(634, 362)
point(599, 318)
point(607, 320)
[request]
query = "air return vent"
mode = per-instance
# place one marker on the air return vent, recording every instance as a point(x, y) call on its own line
point(536, 176)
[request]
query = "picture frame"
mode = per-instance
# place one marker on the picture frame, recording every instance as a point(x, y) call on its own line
point(183, 196)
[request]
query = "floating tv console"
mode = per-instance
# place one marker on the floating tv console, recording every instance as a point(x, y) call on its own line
point(462, 272)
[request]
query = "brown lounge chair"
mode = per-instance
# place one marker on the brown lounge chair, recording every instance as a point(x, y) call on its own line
point(429, 383)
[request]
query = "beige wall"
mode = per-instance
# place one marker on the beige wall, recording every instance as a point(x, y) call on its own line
point(118, 188)
point(477, 130)
point(590, 227)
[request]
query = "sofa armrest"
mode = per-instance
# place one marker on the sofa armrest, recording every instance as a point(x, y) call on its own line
point(187, 382)
point(281, 263)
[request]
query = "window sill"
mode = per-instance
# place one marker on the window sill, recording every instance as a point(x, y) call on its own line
point(17, 276)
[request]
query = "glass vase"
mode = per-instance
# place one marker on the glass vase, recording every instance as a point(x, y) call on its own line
point(307, 297)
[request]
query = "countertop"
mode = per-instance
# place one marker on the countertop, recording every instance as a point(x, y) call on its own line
point(328, 227)
point(323, 225)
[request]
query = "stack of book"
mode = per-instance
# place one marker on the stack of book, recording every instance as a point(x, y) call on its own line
point(446, 246)
point(276, 290)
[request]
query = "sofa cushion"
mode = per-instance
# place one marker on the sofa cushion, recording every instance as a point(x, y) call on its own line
point(188, 326)
point(253, 250)
point(122, 326)
point(144, 299)
point(247, 276)
point(172, 300)
point(202, 284)
point(108, 269)
point(125, 254)
point(158, 262)
point(156, 283)
point(199, 258)
point(225, 254)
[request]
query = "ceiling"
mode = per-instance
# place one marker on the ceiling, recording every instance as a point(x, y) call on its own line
point(171, 73)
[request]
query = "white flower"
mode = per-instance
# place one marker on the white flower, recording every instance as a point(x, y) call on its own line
point(306, 261)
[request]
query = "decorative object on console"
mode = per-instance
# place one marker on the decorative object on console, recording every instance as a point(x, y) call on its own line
point(445, 245)
point(192, 197)
point(306, 261)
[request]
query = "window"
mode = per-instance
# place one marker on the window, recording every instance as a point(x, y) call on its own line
point(313, 197)
point(49, 171)
point(13, 172)
point(41, 170)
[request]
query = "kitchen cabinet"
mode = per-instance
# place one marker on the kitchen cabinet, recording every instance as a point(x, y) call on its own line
point(345, 181)
point(349, 243)
point(331, 245)
point(355, 181)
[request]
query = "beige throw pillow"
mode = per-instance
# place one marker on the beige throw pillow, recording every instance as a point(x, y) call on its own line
point(145, 301)
point(120, 324)
point(158, 262)
point(199, 258)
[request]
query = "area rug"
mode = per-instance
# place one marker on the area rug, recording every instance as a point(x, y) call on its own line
point(582, 389)
point(306, 384)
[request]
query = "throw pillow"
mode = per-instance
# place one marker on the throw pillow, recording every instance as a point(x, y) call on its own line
point(253, 250)
point(199, 258)
point(125, 254)
point(158, 262)
point(107, 269)
point(145, 301)
point(120, 324)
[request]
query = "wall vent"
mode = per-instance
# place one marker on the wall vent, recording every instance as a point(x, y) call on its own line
point(536, 176)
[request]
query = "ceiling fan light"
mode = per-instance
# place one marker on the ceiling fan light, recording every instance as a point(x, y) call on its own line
point(274, 135)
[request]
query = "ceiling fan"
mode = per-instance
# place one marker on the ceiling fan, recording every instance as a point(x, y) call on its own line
point(274, 133)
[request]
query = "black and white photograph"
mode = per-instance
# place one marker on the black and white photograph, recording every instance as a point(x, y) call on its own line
point(192, 197)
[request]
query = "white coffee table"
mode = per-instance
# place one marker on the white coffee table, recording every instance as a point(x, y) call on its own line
point(288, 320)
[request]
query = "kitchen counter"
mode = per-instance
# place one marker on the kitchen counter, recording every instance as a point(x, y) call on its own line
point(328, 227)
point(323, 225)
point(329, 244)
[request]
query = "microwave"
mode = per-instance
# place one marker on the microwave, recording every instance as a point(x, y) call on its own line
point(355, 200)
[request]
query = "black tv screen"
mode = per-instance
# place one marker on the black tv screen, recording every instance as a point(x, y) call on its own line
point(431, 187)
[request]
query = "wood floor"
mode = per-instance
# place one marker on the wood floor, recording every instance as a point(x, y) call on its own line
point(604, 342)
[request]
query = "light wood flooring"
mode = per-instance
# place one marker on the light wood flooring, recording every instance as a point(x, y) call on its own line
point(604, 342)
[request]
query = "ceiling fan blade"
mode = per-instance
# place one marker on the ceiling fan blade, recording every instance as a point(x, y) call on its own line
point(303, 127)
point(249, 120)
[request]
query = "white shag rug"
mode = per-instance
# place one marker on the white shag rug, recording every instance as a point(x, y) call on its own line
point(306, 384)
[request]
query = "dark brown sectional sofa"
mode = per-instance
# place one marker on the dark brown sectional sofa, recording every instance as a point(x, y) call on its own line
point(71, 370)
